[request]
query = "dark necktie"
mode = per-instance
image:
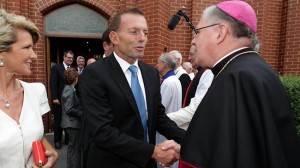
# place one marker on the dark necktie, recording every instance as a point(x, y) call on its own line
point(139, 98)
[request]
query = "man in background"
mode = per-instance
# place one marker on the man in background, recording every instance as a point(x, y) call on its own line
point(80, 61)
point(90, 61)
point(56, 87)
point(188, 67)
point(107, 45)
point(181, 74)
point(170, 90)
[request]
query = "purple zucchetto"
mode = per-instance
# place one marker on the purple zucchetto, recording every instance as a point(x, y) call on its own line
point(241, 11)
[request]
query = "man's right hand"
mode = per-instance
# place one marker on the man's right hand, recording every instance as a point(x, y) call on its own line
point(56, 101)
point(165, 157)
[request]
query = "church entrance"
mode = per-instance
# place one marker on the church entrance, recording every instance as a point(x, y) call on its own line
point(73, 27)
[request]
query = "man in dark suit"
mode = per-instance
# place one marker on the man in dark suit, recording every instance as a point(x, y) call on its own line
point(106, 43)
point(57, 85)
point(113, 120)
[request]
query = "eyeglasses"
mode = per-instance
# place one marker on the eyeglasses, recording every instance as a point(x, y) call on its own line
point(160, 61)
point(197, 30)
point(69, 57)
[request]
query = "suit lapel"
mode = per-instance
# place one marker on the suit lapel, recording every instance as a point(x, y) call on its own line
point(62, 67)
point(121, 81)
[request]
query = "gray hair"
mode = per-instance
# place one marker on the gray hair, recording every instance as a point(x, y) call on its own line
point(188, 64)
point(213, 14)
point(176, 54)
point(79, 58)
point(9, 23)
point(166, 57)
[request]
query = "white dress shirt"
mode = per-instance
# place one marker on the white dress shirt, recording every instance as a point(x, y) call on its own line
point(125, 68)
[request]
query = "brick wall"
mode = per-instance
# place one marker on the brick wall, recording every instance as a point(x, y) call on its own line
point(291, 59)
point(277, 27)
point(269, 22)
point(278, 24)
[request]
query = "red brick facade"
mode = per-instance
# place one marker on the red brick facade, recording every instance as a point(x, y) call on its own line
point(278, 26)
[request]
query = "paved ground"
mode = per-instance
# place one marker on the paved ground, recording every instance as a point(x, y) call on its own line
point(62, 160)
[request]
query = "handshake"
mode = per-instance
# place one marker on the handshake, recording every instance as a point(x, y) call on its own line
point(166, 153)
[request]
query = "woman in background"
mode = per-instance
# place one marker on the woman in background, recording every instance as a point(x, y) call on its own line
point(22, 104)
point(71, 117)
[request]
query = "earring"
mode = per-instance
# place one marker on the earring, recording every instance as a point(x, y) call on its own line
point(1, 63)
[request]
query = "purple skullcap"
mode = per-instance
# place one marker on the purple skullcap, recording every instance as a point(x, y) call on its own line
point(241, 11)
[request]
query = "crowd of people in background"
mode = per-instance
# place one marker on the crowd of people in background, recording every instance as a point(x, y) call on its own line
point(214, 110)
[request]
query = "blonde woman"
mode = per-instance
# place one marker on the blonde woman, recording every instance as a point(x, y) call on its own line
point(22, 104)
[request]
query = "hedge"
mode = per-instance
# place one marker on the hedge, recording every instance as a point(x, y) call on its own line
point(291, 84)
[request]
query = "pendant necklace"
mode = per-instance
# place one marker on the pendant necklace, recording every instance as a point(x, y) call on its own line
point(7, 103)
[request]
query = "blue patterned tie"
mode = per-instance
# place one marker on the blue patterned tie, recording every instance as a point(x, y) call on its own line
point(139, 97)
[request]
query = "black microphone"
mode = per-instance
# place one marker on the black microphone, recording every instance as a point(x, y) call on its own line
point(174, 21)
point(177, 17)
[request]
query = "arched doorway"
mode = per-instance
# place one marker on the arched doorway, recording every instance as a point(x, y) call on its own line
point(73, 27)
point(86, 47)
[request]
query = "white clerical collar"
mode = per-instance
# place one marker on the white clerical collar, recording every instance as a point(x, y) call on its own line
point(228, 55)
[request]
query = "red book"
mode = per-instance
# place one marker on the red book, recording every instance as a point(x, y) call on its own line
point(39, 155)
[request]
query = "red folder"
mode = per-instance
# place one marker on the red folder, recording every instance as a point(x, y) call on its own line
point(39, 155)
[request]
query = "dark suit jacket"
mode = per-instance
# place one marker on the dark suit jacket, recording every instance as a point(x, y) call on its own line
point(71, 108)
point(185, 81)
point(112, 122)
point(76, 86)
point(57, 80)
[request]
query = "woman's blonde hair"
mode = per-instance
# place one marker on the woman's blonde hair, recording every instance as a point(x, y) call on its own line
point(9, 23)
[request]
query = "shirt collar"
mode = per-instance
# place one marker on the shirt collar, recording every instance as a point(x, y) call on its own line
point(65, 65)
point(168, 74)
point(124, 65)
point(178, 69)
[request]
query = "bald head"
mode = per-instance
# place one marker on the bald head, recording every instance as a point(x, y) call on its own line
point(187, 66)
point(90, 60)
